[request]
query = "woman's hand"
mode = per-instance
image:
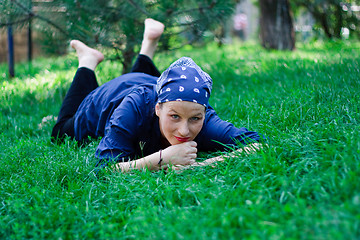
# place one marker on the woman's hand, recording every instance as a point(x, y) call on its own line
point(180, 154)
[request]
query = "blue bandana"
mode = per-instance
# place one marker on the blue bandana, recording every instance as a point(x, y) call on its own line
point(184, 81)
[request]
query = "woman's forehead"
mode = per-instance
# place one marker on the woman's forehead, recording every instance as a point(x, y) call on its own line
point(183, 106)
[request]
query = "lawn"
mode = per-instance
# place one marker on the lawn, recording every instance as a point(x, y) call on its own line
point(304, 185)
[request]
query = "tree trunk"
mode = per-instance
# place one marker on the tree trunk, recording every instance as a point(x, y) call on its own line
point(127, 55)
point(339, 21)
point(276, 25)
point(319, 13)
point(325, 25)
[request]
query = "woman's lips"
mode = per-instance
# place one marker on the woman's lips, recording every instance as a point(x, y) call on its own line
point(180, 139)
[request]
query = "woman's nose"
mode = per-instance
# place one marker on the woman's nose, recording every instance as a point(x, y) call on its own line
point(184, 129)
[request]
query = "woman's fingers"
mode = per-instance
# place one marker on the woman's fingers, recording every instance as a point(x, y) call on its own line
point(191, 147)
point(181, 154)
point(192, 144)
point(193, 156)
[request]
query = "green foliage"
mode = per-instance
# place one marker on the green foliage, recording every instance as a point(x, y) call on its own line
point(332, 15)
point(118, 24)
point(303, 186)
point(12, 13)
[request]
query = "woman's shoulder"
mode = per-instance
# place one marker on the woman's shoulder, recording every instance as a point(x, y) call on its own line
point(139, 101)
point(143, 94)
point(136, 112)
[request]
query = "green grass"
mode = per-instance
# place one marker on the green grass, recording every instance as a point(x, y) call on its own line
point(306, 185)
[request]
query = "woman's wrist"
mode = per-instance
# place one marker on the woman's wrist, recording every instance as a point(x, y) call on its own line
point(155, 161)
point(160, 159)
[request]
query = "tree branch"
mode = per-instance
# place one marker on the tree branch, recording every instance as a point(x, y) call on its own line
point(31, 14)
point(25, 9)
point(135, 5)
point(15, 22)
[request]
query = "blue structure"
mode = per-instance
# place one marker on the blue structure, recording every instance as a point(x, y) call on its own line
point(11, 52)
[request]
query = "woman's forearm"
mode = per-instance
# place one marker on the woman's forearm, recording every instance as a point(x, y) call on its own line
point(150, 162)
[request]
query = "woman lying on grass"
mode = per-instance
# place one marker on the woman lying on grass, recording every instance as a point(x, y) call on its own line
point(146, 120)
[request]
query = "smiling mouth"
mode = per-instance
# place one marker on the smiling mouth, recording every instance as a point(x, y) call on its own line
point(180, 139)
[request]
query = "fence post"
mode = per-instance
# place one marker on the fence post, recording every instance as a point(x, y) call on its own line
point(11, 52)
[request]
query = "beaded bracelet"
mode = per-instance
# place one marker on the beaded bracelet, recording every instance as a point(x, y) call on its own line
point(159, 163)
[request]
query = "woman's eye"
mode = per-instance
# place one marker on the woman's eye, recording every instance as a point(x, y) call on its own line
point(195, 119)
point(175, 116)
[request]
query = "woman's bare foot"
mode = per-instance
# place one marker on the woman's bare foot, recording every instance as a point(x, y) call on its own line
point(152, 33)
point(153, 29)
point(88, 57)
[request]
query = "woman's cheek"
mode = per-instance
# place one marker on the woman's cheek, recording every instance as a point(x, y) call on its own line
point(198, 126)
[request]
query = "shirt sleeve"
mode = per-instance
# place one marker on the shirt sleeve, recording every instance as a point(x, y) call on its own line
point(218, 134)
point(118, 143)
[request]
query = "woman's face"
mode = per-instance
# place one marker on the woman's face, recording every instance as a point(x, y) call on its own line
point(180, 121)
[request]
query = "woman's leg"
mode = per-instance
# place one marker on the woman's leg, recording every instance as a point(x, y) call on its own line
point(152, 33)
point(144, 64)
point(84, 82)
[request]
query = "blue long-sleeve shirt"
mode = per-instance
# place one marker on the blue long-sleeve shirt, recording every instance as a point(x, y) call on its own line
point(122, 112)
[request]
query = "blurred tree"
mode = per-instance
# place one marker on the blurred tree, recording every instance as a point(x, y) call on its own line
point(333, 15)
point(276, 25)
point(118, 23)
